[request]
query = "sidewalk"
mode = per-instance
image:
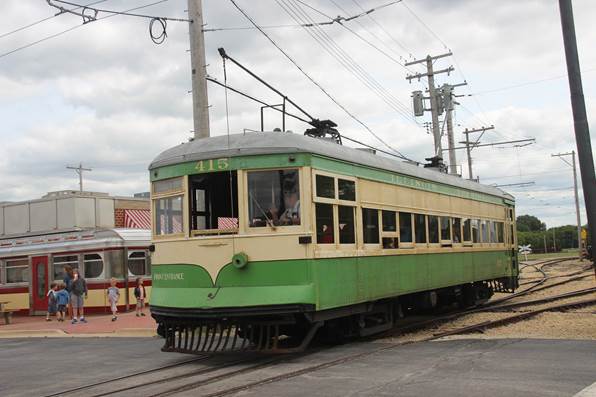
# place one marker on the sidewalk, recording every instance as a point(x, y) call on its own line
point(98, 325)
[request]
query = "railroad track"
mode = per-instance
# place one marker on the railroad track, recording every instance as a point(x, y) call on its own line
point(232, 376)
point(238, 385)
point(132, 383)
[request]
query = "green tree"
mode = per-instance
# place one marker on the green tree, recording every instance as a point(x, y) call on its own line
point(529, 223)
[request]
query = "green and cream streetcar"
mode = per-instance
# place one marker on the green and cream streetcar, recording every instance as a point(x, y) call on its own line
point(263, 240)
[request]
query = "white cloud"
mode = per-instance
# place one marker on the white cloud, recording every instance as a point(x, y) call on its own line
point(105, 95)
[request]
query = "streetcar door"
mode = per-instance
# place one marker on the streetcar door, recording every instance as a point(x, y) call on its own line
point(39, 283)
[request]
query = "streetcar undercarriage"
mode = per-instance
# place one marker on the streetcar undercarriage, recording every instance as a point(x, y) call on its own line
point(291, 328)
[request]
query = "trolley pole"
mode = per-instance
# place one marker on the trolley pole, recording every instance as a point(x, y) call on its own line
point(575, 188)
point(582, 132)
point(198, 63)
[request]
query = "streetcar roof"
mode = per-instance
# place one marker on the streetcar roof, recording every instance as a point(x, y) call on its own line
point(253, 144)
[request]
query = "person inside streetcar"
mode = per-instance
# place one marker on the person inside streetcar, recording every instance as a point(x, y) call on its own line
point(290, 213)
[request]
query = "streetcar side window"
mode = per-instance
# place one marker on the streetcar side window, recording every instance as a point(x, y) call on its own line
point(346, 189)
point(467, 229)
point(168, 216)
point(420, 228)
point(456, 228)
point(347, 233)
point(325, 222)
point(370, 225)
point(484, 231)
point(214, 202)
point(475, 231)
point(405, 227)
point(274, 198)
point(325, 186)
point(60, 261)
point(493, 231)
point(500, 232)
point(445, 228)
point(93, 265)
point(17, 271)
point(389, 223)
point(433, 229)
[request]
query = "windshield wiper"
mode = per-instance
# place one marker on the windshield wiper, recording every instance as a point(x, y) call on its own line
point(268, 220)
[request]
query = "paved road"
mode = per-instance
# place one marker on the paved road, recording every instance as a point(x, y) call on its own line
point(507, 367)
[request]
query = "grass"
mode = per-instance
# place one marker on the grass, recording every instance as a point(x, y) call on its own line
point(563, 253)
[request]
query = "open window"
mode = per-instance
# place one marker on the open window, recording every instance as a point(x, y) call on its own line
point(274, 198)
point(214, 203)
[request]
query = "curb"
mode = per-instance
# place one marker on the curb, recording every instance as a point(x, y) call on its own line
point(55, 333)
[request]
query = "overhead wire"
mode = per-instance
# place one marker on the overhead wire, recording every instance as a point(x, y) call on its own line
point(47, 19)
point(312, 80)
point(337, 52)
point(75, 27)
point(368, 42)
point(391, 37)
point(331, 20)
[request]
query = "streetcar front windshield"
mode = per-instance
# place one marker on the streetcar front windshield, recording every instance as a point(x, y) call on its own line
point(273, 198)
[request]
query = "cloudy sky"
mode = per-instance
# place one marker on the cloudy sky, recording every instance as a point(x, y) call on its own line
point(103, 94)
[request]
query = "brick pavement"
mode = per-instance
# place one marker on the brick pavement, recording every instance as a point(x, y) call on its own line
point(98, 325)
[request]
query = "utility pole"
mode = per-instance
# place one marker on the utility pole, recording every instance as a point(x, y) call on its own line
point(470, 146)
point(79, 170)
point(447, 94)
point(575, 188)
point(582, 132)
point(435, 105)
point(198, 64)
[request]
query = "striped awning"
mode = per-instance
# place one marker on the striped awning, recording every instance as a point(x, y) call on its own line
point(137, 219)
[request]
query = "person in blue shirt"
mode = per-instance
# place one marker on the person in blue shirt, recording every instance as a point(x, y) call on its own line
point(62, 299)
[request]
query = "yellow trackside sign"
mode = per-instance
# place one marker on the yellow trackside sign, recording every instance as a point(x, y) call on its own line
point(584, 234)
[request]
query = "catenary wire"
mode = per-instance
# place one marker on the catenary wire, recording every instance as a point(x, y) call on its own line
point(47, 19)
point(399, 44)
point(345, 59)
point(126, 13)
point(319, 86)
point(368, 42)
point(73, 28)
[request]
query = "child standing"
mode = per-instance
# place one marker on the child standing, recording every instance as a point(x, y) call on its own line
point(52, 306)
point(113, 296)
point(62, 299)
point(140, 295)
